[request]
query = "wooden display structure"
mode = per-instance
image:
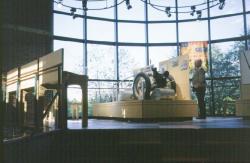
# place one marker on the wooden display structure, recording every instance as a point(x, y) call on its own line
point(29, 82)
point(180, 108)
point(243, 104)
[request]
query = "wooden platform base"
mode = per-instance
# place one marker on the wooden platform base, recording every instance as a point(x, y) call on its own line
point(243, 108)
point(147, 109)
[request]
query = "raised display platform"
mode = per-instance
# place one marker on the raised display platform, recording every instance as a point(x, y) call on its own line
point(147, 109)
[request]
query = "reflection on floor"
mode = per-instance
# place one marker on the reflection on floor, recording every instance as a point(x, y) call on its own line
point(210, 122)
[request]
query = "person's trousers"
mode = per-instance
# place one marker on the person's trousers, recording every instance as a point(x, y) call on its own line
point(200, 94)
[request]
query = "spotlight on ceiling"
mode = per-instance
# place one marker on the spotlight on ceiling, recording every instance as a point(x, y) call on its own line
point(167, 10)
point(193, 10)
point(84, 5)
point(74, 16)
point(199, 14)
point(72, 11)
point(222, 4)
point(128, 4)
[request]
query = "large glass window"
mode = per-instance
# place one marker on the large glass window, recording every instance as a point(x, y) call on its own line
point(248, 44)
point(73, 55)
point(227, 27)
point(208, 98)
point(107, 13)
point(163, 32)
point(247, 3)
point(159, 13)
point(101, 62)
point(248, 24)
point(130, 58)
point(230, 7)
point(135, 13)
point(226, 92)
point(248, 27)
point(225, 58)
point(100, 30)
point(131, 32)
point(200, 5)
point(100, 92)
point(158, 54)
point(101, 58)
point(67, 26)
point(193, 31)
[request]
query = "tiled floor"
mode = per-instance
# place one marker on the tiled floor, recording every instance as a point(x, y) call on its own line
point(210, 122)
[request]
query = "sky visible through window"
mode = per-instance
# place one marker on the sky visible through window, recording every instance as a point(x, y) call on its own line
point(158, 32)
point(99, 30)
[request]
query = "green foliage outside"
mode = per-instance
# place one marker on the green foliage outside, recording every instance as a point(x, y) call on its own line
point(226, 91)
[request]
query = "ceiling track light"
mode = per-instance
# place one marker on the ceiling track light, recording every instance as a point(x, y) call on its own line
point(75, 16)
point(84, 5)
point(199, 14)
point(167, 10)
point(193, 8)
point(72, 11)
point(128, 4)
point(222, 4)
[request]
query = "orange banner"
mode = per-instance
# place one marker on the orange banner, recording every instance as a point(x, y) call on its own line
point(195, 50)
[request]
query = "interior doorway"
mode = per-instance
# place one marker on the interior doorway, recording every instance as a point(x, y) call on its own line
point(74, 108)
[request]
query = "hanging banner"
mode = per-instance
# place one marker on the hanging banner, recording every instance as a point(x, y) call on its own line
point(195, 50)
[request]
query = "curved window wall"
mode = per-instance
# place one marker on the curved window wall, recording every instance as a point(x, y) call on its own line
point(112, 43)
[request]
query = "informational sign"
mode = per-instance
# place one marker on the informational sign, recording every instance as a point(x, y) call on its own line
point(178, 69)
point(195, 50)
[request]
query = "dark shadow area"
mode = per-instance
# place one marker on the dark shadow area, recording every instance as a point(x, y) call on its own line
point(150, 144)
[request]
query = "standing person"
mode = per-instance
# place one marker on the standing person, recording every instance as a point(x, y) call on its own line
point(199, 87)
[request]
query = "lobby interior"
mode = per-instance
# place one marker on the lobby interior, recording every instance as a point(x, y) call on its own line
point(66, 64)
